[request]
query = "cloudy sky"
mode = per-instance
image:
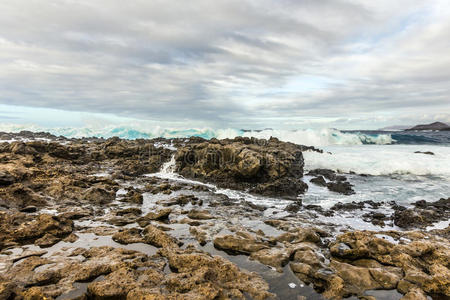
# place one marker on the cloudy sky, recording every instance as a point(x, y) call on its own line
point(235, 63)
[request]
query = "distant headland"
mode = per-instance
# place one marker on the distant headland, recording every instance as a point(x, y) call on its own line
point(439, 126)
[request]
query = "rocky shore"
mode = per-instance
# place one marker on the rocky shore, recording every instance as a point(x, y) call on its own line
point(177, 219)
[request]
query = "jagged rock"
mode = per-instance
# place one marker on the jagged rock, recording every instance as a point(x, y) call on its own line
point(265, 167)
point(415, 294)
point(19, 196)
point(122, 221)
point(133, 196)
point(327, 173)
point(52, 227)
point(6, 289)
point(300, 235)
point(409, 218)
point(423, 214)
point(128, 236)
point(293, 208)
point(131, 210)
point(115, 286)
point(275, 257)
point(33, 293)
point(359, 279)
point(319, 180)
point(218, 277)
point(99, 195)
point(342, 187)
point(71, 238)
point(199, 214)
point(6, 178)
point(162, 214)
point(306, 254)
point(199, 235)
point(239, 244)
point(181, 200)
point(47, 240)
point(413, 258)
point(158, 238)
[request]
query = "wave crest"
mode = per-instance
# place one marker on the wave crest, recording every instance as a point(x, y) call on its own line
point(310, 137)
point(323, 137)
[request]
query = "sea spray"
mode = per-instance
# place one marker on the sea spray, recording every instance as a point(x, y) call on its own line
point(309, 137)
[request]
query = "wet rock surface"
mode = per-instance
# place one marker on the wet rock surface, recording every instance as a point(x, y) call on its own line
point(422, 214)
point(266, 167)
point(79, 219)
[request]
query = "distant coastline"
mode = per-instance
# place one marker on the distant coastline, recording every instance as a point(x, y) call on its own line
point(439, 126)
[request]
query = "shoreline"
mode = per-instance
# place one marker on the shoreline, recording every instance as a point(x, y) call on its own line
point(92, 193)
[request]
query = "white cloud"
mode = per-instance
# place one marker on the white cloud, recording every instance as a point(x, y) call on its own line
point(230, 63)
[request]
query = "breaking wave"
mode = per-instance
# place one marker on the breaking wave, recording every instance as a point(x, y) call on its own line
point(310, 137)
point(323, 137)
point(383, 160)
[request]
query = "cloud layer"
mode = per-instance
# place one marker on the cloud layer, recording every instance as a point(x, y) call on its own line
point(231, 63)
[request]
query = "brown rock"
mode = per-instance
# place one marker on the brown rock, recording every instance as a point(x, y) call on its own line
point(275, 257)
point(99, 195)
point(199, 215)
point(133, 197)
point(34, 293)
point(213, 275)
point(158, 238)
point(265, 167)
point(44, 224)
point(199, 235)
point(131, 210)
point(115, 286)
point(162, 214)
point(238, 244)
point(128, 236)
point(415, 294)
point(6, 289)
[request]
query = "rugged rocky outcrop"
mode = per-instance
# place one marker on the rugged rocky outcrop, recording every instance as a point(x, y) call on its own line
point(44, 229)
point(336, 183)
point(422, 214)
point(270, 168)
point(421, 263)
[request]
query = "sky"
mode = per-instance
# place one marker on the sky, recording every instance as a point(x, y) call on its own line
point(284, 64)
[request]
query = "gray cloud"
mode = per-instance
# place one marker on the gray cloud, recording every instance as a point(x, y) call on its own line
point(229, 63)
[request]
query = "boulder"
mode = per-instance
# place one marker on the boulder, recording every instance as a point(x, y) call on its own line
point(319, 180)
point(99, 195)
point(6, 178)
point(134, 197)
point(342, 187)
point(43, 225)
point(128, 236)
point(274, 257)
point(199, 214)
point(158, 238)
point(269, 167)
point(239, 244)
point(202, 276)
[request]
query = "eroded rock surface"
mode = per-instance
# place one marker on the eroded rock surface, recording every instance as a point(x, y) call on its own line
point(79, 218)
point(271, 167)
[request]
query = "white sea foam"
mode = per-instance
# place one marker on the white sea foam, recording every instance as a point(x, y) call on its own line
point(383, 159)
point(322, 137)
point(310, 137)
